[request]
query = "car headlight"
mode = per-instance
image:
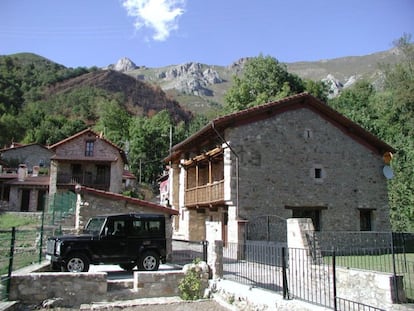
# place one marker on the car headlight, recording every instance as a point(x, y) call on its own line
point(58, 245)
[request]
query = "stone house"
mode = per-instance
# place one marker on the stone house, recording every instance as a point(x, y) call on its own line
point(251, 170)
point(33, 156)
point(88, 159)
point(24, 178)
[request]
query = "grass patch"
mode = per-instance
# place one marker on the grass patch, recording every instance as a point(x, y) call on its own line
point(26, 240)
point(382, 263)
point(404, 265)
point(10, 220)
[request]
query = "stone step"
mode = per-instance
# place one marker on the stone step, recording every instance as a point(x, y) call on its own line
point(114, 285)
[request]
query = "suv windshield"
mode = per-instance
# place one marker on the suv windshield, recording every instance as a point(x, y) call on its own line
point(94, 225)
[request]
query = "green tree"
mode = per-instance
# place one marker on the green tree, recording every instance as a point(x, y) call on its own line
point(319, 89)
point(149, 145)
point(263, 79)
point(10, 129)
point(49, 129)
point(114, 122)
point(397, 103)
point(197, 123)
point(358, 103)
point(11, 95)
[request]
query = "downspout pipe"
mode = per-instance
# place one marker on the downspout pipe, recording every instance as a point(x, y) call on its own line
point(237, 164)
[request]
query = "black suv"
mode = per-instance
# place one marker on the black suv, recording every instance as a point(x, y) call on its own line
point(128, 240)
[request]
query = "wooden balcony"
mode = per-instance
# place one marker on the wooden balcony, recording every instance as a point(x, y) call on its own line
point(205, 195)
point(88, 180)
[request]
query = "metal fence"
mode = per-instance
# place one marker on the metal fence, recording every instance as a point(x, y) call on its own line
point(294, 273)
point(390, 252)
point(18, 249)
point(256, 264)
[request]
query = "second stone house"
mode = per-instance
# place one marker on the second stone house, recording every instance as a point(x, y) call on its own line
point(297, 157)
point(88, 159)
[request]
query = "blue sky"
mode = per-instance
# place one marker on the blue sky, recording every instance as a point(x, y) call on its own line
point(157, 33)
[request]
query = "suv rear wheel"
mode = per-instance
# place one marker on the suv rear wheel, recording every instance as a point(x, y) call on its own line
point(149, 261)
point(77, 262)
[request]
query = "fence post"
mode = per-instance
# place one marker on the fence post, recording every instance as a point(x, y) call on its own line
point(284, 274)
point(41, 235)
point(334, 279)
point(394, 270)
point(205, 245)
point(11, 254)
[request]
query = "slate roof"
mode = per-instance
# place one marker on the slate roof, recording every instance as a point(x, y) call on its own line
point(117, 196)
point(299, 101)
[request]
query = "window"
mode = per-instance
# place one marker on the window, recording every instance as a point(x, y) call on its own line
point(307, 134)
point(146, 227)
point(365, 220)
point(318, 173)
point(89, 148)
point(119, 228)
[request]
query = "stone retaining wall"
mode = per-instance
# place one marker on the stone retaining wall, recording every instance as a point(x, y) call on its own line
point(34, 285)
point(160, 284)
point(370, 287)
point(72, 289)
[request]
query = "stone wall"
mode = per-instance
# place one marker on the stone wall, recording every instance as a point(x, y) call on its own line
point(159, 284)
point(369, 287)
point(277, 161)
point(73, 288)
point(33, 287)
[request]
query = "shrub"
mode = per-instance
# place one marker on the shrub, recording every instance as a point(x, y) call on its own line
point(191, 285)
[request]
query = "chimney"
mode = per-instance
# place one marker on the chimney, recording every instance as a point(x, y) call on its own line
point(35, 172)
point(22, 172)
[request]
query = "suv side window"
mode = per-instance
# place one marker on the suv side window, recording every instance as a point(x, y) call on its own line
point(116, 227)
point(146, 228)
point(119, 228)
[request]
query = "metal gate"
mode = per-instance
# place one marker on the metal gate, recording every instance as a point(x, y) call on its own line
point(60, 205)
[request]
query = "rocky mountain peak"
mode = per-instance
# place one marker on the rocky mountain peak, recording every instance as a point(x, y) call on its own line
point(335, 86)
point(123, 65)
point(191, 78)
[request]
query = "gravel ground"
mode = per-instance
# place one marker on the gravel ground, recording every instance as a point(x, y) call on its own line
point(207, 305)
point(154, 304)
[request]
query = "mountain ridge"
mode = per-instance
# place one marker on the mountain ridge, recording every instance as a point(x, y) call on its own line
point(206, 85)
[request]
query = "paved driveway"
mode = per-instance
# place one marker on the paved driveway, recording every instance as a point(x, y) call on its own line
point(116, 273)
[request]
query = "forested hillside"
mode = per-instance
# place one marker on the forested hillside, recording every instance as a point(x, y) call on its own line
point(44, 102)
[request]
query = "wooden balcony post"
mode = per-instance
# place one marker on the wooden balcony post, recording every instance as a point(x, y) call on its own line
point(197, 177)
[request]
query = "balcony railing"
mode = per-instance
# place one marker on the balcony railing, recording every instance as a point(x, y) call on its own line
point(88, 180)
point(205, 195)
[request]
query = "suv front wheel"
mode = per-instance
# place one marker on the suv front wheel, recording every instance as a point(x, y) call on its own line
point(149, 261)
point(77, 262)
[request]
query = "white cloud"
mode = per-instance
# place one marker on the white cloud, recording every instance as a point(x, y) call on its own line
point(159, 15)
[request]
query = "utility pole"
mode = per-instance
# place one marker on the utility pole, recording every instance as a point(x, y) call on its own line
point(170, 144)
